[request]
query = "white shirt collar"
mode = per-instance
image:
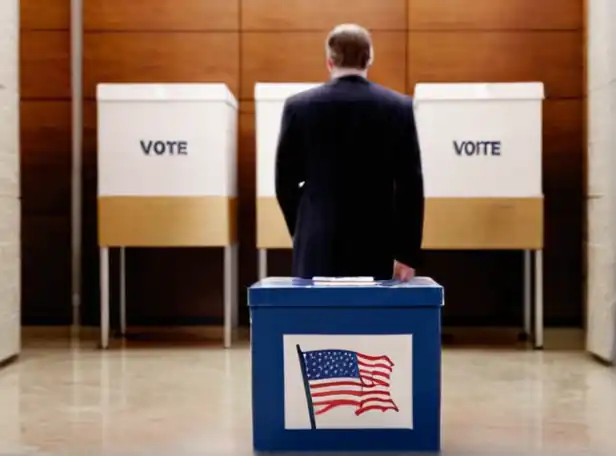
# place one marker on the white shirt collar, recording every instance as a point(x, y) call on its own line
point(342, 72)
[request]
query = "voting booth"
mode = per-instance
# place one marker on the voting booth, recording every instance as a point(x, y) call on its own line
point(341, 365)
point(481, 150)
point(167, 178)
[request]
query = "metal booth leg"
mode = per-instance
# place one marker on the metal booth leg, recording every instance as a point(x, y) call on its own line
point(528, 280)
point(235, 285)
point(104, 279)
point(228, 296)
point(538, 339)
point(122, 291)
point(262, 264)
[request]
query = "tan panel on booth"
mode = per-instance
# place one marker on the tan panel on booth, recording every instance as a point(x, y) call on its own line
point(167, 221)
point(449, 224)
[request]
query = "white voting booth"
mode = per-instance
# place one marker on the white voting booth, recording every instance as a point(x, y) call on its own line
point(481, 149)
point(481, 154)
point(167, 178)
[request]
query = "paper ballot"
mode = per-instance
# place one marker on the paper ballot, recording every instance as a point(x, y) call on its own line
point(344, 281)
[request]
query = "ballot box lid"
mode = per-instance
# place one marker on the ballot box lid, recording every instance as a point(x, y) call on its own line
point(292, 292)
point(479, 91)
point(165, 92)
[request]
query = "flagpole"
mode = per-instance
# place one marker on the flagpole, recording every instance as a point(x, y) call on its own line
point(302, 364)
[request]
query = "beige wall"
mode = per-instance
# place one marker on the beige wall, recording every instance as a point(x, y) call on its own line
point(601, 188)
point(9, 181)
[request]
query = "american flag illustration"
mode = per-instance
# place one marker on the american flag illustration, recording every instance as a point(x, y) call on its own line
point(344, 378)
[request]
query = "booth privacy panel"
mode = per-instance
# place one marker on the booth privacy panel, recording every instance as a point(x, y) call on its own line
point(167, 164)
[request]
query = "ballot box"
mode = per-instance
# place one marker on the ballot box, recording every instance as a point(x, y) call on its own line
point(345, 365)
point(167, 176)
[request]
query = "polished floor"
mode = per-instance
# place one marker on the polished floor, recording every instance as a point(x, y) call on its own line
point(66, 397)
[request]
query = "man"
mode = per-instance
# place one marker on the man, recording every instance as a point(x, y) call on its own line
point(348, 171)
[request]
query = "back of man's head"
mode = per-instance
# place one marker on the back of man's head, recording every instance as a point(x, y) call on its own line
point(349, 46)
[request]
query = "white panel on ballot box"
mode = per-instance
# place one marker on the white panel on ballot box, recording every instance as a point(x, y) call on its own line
point(166, 140)
point(269, 103)
point(480, 140)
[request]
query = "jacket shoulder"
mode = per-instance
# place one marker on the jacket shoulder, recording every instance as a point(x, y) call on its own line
point(392, 96)
point(305, 96)
point(373, 91)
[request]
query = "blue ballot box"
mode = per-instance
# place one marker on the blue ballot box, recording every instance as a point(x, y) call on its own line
point(346, 366)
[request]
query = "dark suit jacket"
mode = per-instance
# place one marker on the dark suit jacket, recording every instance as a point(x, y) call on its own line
point(354, 146)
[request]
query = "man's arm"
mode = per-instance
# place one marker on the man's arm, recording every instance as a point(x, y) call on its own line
point(289, 168)
point(409, 193)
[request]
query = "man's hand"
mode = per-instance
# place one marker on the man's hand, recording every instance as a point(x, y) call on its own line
point(403, 272)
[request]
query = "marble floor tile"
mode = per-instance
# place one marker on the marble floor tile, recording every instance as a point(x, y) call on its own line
point(67, 397)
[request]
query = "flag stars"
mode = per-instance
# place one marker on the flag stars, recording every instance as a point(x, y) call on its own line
point(324, 364)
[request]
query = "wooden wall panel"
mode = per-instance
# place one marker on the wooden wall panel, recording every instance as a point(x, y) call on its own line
point(247, 172)
point(45, 64)
point(161, 15)
point(160, 57)
point(46, 269)
point(46, 190)
point(45, 124)
point(494, 15)
point(246, 187)
point(45, 207)
point(89, 133)
point(563, 155)
point(241, 42)
point(44, 14)
point(45, 133)
point(299, 57)
point(563, 140)
point(269, 15)
point(175, 286)
point(554, 58)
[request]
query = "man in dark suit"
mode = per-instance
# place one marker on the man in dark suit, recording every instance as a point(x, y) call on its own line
point(348, 171)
